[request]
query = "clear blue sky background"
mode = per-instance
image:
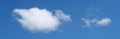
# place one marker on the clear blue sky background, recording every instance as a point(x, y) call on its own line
point(11, 29)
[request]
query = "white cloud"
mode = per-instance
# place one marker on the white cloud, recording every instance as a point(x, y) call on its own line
point(42, 20)
point(92, 18)
point(62, 16)
point(96, 21)
point(104, 21)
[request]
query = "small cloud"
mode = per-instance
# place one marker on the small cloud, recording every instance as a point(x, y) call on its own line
point(95, 17)
point(95, 21)
point(62, 16)
point(104, 21)
point(41, 20)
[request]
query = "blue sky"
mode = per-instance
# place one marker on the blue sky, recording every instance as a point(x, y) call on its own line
point(10, 28)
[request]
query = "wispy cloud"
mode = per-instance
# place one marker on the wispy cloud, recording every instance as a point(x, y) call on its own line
point(62, 16)
point(95, 17)
point(104, 21)
point(96, 21)
point(41, 20)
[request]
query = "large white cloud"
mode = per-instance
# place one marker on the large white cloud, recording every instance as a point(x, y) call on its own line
point(42, 20)
point(96, 21)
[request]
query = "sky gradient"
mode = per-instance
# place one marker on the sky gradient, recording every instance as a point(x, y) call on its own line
point(74, 10)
